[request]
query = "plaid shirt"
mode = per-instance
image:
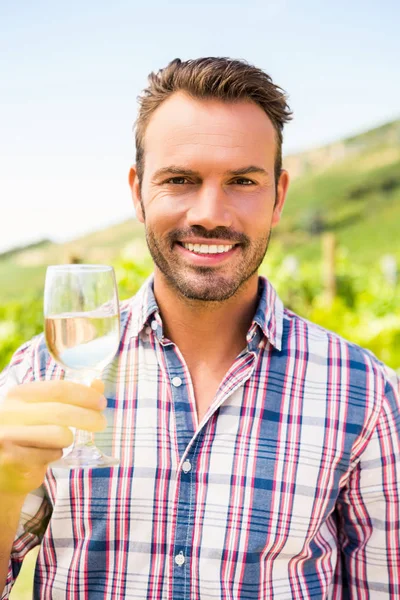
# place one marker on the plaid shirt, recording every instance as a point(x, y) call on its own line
point(288, 488)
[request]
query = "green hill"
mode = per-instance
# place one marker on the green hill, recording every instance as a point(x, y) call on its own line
point(350, 187)
point(22, 272)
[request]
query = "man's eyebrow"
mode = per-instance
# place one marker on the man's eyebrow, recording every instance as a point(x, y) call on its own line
point(177, 170)
point(248, 170)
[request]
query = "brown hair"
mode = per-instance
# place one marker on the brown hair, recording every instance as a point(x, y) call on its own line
point(218, 78)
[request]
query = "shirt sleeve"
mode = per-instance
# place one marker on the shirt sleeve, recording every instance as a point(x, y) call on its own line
point(36, 511)
point(369, 509)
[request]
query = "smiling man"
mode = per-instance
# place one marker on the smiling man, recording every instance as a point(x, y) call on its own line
point(259, 453)
point(208, 197)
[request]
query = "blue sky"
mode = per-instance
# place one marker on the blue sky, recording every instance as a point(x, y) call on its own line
point(71, 72)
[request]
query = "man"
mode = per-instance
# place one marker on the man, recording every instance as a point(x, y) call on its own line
point(259, 453)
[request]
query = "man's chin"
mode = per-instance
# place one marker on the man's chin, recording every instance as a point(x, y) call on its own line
point(200, 283)
point(216, 291)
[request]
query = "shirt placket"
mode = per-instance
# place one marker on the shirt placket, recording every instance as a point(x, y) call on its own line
point(185, 422)
point(189, 442)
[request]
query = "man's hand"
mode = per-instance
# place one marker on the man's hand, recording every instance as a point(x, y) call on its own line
point(34, 428)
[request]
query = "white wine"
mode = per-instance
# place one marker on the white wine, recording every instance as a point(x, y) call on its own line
point(82, 332)
point(83, 341)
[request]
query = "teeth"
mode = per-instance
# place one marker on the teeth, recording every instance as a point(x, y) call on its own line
point(205, 249)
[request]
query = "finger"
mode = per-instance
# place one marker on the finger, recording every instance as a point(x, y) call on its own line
point(53, 413)
point(66, 392)
point(12, 453)
point(98, 385)
point(37, 436)
point(23, 469)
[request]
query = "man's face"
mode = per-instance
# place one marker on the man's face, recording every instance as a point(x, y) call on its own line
point(208, 194)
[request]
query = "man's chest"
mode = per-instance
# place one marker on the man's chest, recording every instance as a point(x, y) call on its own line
point(205, 383)
point(241, 496)
point(266, 449)
point(246, 498)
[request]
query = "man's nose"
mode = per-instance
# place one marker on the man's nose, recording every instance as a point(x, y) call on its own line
point(210, 208)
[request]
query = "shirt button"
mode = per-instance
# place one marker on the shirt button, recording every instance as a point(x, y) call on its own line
point(187, 466)
point(180, 559)
point(154, 325)
point(176, 381)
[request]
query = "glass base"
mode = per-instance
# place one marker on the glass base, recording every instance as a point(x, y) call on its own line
point(85, 457)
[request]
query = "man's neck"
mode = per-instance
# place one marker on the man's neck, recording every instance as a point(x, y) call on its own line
point(207, 331)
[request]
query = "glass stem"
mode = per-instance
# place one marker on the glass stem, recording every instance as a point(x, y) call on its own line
point(83, 438)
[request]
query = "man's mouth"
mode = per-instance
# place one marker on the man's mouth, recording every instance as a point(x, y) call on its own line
point(207, 249)
point(207, 254)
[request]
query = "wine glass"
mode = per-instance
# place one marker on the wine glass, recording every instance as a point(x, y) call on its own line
point(82, 332)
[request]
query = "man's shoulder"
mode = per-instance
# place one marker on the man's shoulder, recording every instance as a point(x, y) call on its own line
point(333, 347)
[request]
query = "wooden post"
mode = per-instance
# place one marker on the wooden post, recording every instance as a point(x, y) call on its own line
point(328, 266)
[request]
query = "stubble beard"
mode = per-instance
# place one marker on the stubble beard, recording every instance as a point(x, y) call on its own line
point(206, 284)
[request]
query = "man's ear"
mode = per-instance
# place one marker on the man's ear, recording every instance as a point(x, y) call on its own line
point(135, 191)
point(282, 188)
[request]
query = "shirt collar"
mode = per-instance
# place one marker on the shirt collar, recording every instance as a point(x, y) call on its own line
point(269, 313)
point(268, 316)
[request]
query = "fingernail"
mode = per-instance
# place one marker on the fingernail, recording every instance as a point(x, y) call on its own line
point(103, 403)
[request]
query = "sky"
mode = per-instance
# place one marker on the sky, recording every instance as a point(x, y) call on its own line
point(71, 73)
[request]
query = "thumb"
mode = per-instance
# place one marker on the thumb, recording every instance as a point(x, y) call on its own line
point(98, 385)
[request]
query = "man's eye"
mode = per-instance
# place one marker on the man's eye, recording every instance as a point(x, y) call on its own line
point(243, 181)
point(177, 180)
